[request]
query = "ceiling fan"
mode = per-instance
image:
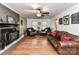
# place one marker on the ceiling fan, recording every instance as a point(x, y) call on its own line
point(38, 11)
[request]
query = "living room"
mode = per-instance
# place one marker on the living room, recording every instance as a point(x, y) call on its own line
point(60, 21)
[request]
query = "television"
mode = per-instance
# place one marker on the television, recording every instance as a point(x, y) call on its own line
point(11, 20)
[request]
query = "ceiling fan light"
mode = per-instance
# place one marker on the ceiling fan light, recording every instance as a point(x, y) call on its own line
point(38, 15)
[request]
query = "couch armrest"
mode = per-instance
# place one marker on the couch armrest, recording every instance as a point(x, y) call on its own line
point(68, 44)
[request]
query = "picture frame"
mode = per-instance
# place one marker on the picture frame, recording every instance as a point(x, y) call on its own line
point(22, 22)
point(39, 23)
point(75, 18)
point(66, 20)
point(60, 21)
point(11, 20)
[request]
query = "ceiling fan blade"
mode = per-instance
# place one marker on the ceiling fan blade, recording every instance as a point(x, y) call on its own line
point(45, 12)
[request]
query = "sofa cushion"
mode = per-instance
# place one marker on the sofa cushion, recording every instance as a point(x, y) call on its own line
point(65, 37)
point(74, 37)
point(53, 34)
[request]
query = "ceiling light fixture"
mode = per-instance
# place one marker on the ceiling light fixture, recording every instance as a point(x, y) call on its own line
point(38, 14)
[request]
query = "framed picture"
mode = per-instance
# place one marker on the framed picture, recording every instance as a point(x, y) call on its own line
point(22, 22)
point(66, 20)
point(11, 20)
point(60, 21)
point(39, 23)
point(75, 18)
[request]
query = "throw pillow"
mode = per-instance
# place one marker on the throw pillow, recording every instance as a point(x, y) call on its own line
point(53, 34)
point(65, 37)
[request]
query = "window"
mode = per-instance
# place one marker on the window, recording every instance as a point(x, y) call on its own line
point(34, 24)
point(44, 25)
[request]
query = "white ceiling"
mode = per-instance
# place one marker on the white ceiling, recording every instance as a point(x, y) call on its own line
point(53, 8)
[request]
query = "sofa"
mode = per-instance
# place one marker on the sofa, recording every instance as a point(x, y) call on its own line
point(68, 46)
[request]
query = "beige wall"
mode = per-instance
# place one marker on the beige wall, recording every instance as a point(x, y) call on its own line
point(22, 26)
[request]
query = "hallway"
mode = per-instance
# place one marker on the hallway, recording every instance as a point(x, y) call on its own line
point(37, 45)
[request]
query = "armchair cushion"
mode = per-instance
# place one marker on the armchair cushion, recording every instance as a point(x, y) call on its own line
point(29, 30)
point(45, 31)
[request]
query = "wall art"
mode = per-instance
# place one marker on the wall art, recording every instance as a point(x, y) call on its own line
point(60, 21)
point(66, 20)
point(75, 18)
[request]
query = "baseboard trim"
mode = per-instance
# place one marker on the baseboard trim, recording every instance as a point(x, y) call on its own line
point(7, 47)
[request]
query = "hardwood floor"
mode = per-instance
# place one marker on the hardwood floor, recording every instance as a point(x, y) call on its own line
point(36, 45)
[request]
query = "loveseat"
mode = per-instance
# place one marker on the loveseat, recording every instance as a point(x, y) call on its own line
point(68, 46)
